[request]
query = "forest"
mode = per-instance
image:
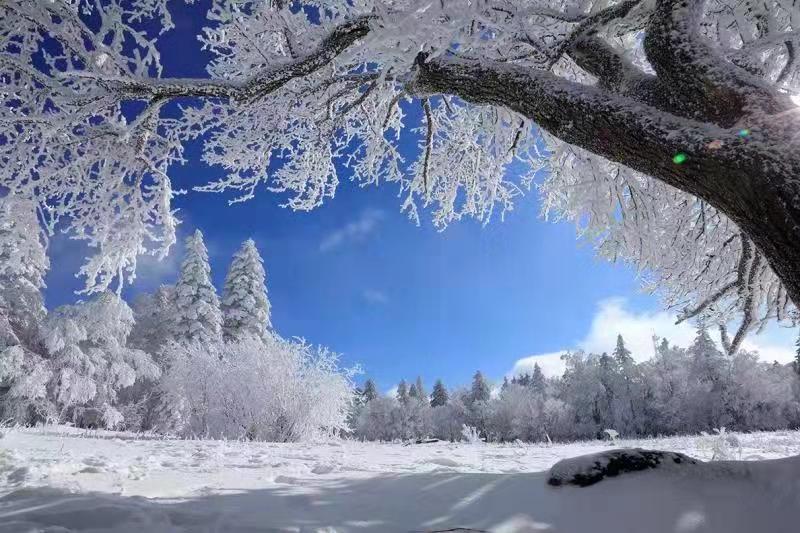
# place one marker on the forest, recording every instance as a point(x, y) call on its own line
point(186, 361)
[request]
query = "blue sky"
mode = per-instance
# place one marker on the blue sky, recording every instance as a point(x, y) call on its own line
point(359, 277)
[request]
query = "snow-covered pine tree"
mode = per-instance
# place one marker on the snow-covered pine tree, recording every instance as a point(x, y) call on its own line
point(197, 312)
point(796, 362)
point(422, 394)
point(153, 315)
point(402, 392)
point(24, 371)
point(439, 396)
point(537, 379)
point(23, 266)
point(91, 360)
point(622, 355)
point(370, 391)
point(412, 392)
point(245, 306)
point(480, 391)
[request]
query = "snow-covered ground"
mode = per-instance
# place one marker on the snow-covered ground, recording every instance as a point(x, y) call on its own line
point(59, 478)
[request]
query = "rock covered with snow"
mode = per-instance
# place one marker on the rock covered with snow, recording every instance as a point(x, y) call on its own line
point(589, 469)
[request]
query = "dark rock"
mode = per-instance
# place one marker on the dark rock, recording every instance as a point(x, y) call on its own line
point(589, 469)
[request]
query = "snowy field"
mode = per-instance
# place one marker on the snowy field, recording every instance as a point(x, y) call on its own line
point(60, 479)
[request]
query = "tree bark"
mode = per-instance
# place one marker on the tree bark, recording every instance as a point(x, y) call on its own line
point(734, 129)
point(751, 178)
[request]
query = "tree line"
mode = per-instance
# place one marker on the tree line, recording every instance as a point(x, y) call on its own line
point(677, 391)
point(185, 361)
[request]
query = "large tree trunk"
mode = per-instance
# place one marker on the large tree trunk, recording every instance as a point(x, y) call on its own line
point(736, 131)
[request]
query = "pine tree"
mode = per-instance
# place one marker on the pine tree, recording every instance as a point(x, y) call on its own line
point(422, 394)
point(23, 266)
point(24, 369)
point(402, 392)
point(91, 360)
point(439, 397)
point(245, 307)
point(153, 315)
point(480, 391)
point(797, 357)
point(538, 381)
point(622, 355)
point(370, 391)
point(198, 317)
point(412, 392)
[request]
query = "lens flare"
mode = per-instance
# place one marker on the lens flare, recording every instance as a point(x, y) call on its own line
point(680, 158)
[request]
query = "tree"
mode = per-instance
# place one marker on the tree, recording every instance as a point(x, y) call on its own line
point(422, 394)
point(480, 391)
point(671, 113)
point(370, 391)
point(622, 355)
point(24, 371)
point(259, 389)
point(23, 266)
point(439, 396)
point(197, 312)
point(538, 382)
point(796, 362)
point(412, 392)
point(90, 359)
point(245, 307)
point(153, 320)
point(402, 392)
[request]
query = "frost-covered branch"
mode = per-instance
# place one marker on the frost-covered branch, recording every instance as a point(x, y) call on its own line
point(673, 119)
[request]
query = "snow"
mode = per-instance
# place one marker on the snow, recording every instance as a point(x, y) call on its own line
point(113, 481)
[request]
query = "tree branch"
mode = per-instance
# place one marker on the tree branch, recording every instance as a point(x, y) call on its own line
point(259, 85)
point(712, 88)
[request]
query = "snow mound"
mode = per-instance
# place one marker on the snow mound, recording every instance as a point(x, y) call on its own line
point(589, 469)
point(443, 461)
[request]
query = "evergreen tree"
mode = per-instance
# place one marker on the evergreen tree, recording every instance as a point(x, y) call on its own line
point(439, 397)
point(523, 380)
point(197, 312)
point(422, 394)
point(538, 381)
point(480, 391)
point(412, 392)
point(402, 392)
point(91, 360)
point(622, 355)
point(370, 391)
point(23, 266)
point(245, 307)
point(24, 371)
point(796, 363)
point(153, 314)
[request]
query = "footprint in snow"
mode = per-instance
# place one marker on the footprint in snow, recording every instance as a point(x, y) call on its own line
point(323, 469)
point(443, 461)
point(90, 470)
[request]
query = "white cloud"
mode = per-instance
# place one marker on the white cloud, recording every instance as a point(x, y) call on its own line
point(152, 271)
point(613, 318)
point(391, 393)
point(374, 296)
point(354, 231)
point(550, 363)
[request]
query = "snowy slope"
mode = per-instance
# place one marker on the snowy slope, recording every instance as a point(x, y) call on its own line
point(105, 481)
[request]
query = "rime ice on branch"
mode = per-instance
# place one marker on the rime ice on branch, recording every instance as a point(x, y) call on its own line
point(667, 127)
